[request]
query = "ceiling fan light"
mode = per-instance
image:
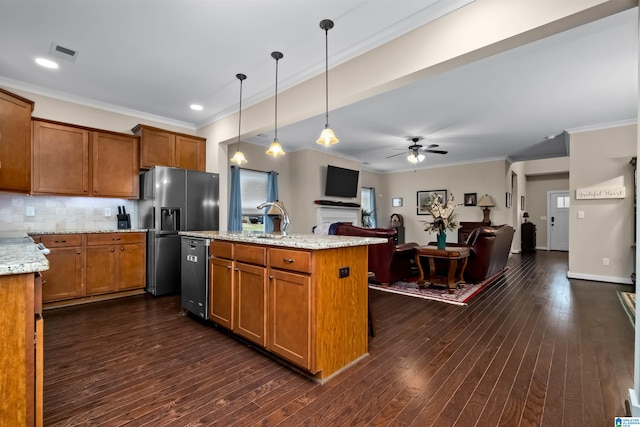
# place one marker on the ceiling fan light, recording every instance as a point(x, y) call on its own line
point(238, 158)
point(275, 149)
point(327, 137)
point(415, 158)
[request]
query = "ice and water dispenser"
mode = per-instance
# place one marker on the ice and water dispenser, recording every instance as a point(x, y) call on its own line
point(170, 219)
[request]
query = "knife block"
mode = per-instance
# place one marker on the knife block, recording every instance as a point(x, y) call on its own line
point(124, 221)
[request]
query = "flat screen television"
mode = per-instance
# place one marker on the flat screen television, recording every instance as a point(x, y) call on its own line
point(341, 182)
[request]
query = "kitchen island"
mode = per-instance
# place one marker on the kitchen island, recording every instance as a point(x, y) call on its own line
point(21, 330)
point(300, 297)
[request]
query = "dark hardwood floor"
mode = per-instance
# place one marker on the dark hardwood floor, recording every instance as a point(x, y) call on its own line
point(533, 349)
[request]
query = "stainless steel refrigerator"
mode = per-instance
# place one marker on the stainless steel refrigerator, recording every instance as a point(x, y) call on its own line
point(173, 200)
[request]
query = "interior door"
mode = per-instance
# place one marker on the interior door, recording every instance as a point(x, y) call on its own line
point(558, 206)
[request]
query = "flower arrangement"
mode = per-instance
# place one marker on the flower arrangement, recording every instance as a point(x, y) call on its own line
point(443, 214)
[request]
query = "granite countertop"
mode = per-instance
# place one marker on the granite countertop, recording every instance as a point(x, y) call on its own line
point(18, 254)
point(42, 233)
point(295, 240)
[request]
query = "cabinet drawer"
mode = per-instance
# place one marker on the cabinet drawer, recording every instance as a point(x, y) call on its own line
point(251, 254)
point(114, 238)
point(221, 249)
point(288, 259)
point(61, 240)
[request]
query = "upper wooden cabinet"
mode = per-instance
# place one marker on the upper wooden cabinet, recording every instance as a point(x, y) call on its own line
point(72, 160)
point(15, 142)
point(159, 147)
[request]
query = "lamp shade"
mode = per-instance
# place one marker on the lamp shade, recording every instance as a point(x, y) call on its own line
point(486, 201)
point(275, 211)
point(415, 158)
point(327, 137)
point(275, 149)
point(525, 215)
point(238, 158)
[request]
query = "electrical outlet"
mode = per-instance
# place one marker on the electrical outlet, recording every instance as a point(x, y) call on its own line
point(30, 211)
point(343, 272)
point(605, 261)
point(107, 211)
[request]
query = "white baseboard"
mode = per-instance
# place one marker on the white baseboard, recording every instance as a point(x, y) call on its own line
point(633, 403)
point(596, 278)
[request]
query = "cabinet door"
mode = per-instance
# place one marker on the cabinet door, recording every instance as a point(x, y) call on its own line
point(115, 165)
point(131, 272)
point(290, 316)
point(221, 292)
point(101, 268)
point(190, 153)
point(63, 279)
point(157, 148)
point(251, 302)
point(60, 159)
point(15, 143)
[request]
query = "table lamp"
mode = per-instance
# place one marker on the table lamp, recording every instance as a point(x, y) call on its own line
point(485, 203)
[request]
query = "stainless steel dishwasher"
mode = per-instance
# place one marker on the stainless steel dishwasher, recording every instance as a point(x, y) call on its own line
point(194, 275)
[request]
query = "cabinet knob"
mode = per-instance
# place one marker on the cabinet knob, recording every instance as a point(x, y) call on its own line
point(236, 269)
point(289, 261)
point(229, 267)
point(270, 277)
point(59, 241)
point(116, 238)
point(112, 250)
point(78, 252)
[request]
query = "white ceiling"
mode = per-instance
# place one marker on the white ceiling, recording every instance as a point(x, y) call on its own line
point(158, 56)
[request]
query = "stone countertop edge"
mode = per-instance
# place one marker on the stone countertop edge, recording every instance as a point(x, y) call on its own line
point(21, 257)
point(301, 241)
point(42, 233)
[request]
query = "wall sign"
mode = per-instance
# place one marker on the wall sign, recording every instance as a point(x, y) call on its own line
point(601, 193)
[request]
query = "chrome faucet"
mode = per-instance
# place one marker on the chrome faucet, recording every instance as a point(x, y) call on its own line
point(285, 216)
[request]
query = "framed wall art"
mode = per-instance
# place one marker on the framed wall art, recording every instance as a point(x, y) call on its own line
point(521, 202)
point(396, 202)
point(470, 199)
point(508, 200)
point(425, 198)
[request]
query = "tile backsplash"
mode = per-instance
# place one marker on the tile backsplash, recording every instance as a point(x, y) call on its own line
point(58, 213)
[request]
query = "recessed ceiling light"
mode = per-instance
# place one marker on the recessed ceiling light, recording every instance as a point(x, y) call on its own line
point(47, 63)
point(196, 107)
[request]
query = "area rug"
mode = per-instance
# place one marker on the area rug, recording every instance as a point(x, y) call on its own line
point(628, 300)
point(461, 296)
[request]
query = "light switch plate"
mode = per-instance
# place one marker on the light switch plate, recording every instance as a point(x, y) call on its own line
point(30, 211)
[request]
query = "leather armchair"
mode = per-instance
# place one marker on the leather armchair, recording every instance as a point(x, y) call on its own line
point(389, 262)
point(489, 249)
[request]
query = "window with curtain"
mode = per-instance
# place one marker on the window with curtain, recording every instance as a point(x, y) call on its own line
point(253, 192)
point(368, 207)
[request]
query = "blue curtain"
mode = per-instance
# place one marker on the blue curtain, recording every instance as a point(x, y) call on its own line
point(272, 196)
point(235, 201)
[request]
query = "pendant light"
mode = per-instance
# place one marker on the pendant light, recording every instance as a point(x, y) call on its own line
point(327, 137)
point(275, 149)
point(238, 156)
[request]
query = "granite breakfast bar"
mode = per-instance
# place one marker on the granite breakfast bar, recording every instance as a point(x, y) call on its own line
point(300, 297)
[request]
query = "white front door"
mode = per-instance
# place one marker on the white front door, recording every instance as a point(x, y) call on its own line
point(558, 208)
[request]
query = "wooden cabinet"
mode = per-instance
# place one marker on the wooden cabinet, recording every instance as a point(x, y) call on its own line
point(292, 301)
point(63, 280)
point(159, 147)
point(21, 351)
point(251, 302)
point(87, 265)
point(528, 237)
point(290, 309)
point(60, 159)
point(115, 262)
point(15, 142)
point(72, 160)
point(115, 165)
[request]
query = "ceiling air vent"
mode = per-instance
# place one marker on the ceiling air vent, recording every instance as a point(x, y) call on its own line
point(63, 52)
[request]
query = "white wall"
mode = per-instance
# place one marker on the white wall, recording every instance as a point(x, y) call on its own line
point(601, 158)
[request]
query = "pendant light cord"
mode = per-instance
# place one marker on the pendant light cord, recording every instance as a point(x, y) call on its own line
point(275, 138)
point(326, 75)
point(240, 114)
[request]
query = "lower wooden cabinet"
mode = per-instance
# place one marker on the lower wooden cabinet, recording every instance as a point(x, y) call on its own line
point(221, 293)
point(290, 309)
point(63, 280)
point(250, 282)
point(85, 265)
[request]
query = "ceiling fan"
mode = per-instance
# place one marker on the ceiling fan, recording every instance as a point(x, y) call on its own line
point(416, 150)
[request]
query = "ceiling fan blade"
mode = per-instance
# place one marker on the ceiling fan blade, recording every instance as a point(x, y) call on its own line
point(435, 151)
point(394, 155)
